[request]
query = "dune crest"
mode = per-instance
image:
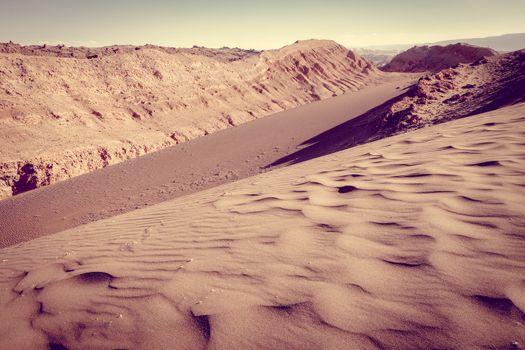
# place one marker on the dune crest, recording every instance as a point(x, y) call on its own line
point(116, 103)
point(413, 241)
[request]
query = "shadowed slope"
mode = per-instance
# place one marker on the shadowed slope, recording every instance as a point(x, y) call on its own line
point(348, 134)
point(450, 94)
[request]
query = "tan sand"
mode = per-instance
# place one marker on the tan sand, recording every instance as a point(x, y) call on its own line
point(189, 167)
point(411, 242)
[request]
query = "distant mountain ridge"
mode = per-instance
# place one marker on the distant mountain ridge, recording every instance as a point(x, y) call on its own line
point(504, 43)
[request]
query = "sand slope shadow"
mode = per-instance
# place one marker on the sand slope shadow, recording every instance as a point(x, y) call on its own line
point(351, 133)
point(433, 100)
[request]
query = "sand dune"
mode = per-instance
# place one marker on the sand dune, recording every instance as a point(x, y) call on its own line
point(290, 137)
point(185, 168)
point(63, 116)
point(412, 242)
point(452, 93)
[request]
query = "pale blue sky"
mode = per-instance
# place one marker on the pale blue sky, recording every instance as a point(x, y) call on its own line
point(255, 24)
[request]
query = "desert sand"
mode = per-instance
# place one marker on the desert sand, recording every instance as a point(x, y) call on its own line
point(332, 225)
point(287, 137)
point(415, 241)
point(188, 167)
point(68, 111)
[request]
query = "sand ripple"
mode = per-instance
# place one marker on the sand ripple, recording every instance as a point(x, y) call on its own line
point(414, 242)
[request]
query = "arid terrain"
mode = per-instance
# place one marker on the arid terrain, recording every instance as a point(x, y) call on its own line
point(436, 58)
point(68, 111)
point(298, 198)
point(466, 89)
point(184, 168)
point(411, 242)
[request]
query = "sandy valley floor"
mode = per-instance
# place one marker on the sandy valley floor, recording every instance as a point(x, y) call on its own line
point(195, 165)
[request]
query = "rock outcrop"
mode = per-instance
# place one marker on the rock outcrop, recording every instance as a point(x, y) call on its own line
point(67, 111)
point(436, 58)
point(453, 93)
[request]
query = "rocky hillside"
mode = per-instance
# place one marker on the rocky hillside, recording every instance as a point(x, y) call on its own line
point(453, 93)
point(225, 53)
point(67, 111)
point(436, 58)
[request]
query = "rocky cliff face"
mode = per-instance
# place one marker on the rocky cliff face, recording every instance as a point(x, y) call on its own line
point(453, 93)
point(436, 58)
point(67, 111)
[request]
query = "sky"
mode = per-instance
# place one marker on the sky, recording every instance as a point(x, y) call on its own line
point(259, 24)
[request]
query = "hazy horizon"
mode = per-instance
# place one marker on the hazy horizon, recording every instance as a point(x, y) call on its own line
point(247, 24)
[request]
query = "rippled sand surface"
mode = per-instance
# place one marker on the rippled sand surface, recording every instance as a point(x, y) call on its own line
point(413, 242)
